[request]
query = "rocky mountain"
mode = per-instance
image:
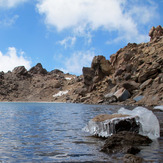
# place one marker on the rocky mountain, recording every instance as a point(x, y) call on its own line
point(34, 85)
point(133, 75)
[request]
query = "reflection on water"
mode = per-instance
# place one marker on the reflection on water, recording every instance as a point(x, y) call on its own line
point(50, 132)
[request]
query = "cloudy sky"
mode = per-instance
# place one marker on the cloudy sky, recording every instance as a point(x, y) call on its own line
point(66, 34)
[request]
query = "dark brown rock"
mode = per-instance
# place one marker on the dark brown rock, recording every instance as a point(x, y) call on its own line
point(1, 75)
point(56, 71)
point(119, 72)
point(148, 73)
point(21, 70)
point(130, 86)
point(156, 32)
point(88, 74)
point(122, 94)
point(38, 69)
point(130, 158)
point(125, 142)
point(101, 65)
point(145, 84)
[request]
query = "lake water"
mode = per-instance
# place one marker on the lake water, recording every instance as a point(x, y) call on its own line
point(52, 132)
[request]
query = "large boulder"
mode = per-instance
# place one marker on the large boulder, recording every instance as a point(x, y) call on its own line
point(101, 66)
point(38, 69)
point(130, 158)
point(88, 74)
point(156, 32)
point(130, 86)
point(125, 142)
point(145, 84)
point(146, 74)
point(20, 70)
point(122, 94)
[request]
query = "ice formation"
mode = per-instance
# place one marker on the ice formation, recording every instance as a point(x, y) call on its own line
point(108, 127)
point(149, 123)
point(60, 93)
point(139, 120)
point(159, 107)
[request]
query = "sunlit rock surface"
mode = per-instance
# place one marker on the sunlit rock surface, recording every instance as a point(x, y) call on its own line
point(139, 120)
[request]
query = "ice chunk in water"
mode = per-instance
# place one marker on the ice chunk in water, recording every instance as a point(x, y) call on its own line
point(113, 125)
point(149, 123)
point(140, 120)
point(159, 107)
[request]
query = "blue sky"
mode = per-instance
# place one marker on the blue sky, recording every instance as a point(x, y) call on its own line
point(67, 34)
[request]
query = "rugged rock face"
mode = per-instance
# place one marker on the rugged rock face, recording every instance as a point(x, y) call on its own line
point(133, 75)
point(134, 71)
point(156, 32)
point(34, 85)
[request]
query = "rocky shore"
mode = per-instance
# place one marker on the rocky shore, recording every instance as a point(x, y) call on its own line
point(133, 75)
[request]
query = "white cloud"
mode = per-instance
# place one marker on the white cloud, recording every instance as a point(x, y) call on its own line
point(6, 21)
point(109, 15)
point(10, 60)
point(10, 3)
point(68, 42)
point(75, 62)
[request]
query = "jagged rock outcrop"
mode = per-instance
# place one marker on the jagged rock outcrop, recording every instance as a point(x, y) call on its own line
point(34, 85)
point(156, 32)
point(100, 68)
point(135, 70)
point(21, 70)
point(38, 69)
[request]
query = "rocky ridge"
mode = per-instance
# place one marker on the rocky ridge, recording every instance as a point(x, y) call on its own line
point(133, 75)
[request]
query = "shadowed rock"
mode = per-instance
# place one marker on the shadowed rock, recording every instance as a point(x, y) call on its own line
point(125, 142)
point(38, 69)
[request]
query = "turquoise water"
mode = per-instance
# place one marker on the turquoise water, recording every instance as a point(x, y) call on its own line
point(52, 132)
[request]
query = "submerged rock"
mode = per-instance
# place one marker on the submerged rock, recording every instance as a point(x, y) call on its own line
point(125, 142)
point(130, 158)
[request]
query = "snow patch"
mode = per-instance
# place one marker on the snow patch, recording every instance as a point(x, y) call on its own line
point(60, 93)
point(67, 78)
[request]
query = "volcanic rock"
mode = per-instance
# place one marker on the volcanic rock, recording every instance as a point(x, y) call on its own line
point(130, 158)
point(38, 69)
point(19, 71)
point(136, 69)
point(125, 142)
point(122, 94)
point(156, 32)
point(88, 74)
point(101, 66)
